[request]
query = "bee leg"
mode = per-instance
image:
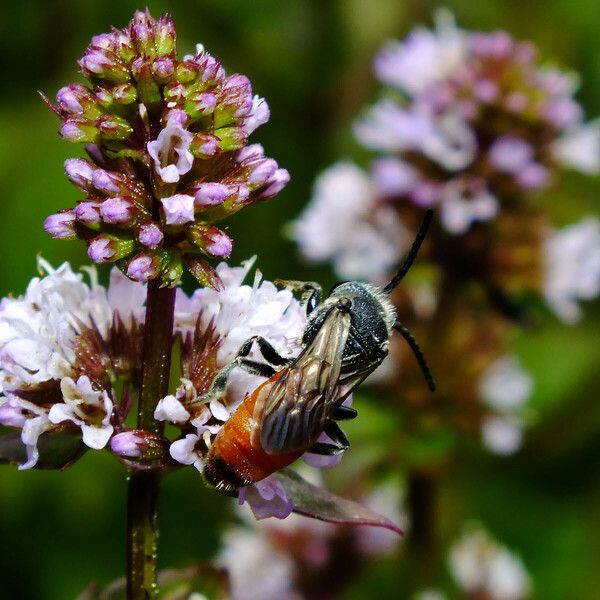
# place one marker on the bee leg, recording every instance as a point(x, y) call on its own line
point(344, 413)
point(255, 368)
point(266, 349)
point(325, 449)
point(219, 384)
point(332, 429)
point(310, 292)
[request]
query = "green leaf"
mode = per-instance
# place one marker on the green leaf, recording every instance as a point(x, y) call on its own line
point(57, 450)
point(318, 503)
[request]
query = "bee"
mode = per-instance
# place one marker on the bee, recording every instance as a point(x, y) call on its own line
point(346, 338)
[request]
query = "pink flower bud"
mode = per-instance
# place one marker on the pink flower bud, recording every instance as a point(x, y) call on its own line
point(117, 211)
point(136, 443)
point(61, 226)
point(150, 235)
point(279, 180)
point(209, 194)
point(262, 171)
point(80, 173)
point(143, 267)
point(78, 131)
point(218, 243)
point(163, 69)
point(88, 213)
point(69, 98)
point(100, 250)
point(106, 182)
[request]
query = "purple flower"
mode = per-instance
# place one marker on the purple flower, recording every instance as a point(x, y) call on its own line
point(275, 184)
point(100, 250)
point(178, 209)
point(171, 152)
point(88, 213)
point(267, 498)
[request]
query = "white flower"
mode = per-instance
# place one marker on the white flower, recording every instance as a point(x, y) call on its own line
point(502, 434)
point(245, 554)
point(424, 58)
point(446, 139)
point(479, 564)
point(460, 210)
point(88, 408)
point(505, 385)
point(258, 116)
point(579, 148)
point(344, 223)
point(239, 312)
point(171, 409)
point(37, 331)
point(184, 451)
point(171, 151)
point(572, 273)
point(179, 209)
point(31, 419)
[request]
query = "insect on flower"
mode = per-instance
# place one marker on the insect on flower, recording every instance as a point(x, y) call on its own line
point(346, 338)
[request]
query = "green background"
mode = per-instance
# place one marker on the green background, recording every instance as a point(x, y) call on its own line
point(311, 59)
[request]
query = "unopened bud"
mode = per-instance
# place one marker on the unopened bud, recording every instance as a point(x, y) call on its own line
point(143, 267)
point(61, 226)
point(211, 193)
point(163, 69)
point(139, 444)
point(150, 235)
point(113, 127)
point(279, 180)
point(211, 240)
point(107, 182)
point(80, 173)
point(109, 248)
point(118, 211)
point(178, 209)
point(88, 213)
point(201, 104)
point(231, 138)
point(76, 130)
point(204, 145)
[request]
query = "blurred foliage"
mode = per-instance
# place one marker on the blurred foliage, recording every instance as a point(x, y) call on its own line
point(311, 60)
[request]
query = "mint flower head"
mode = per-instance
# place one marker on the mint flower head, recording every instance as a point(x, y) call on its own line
point(167, 140)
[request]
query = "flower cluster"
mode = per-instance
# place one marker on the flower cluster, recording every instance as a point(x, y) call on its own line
point(70, 356)
point(473, 127)
point(168, 154)
point(477, 125)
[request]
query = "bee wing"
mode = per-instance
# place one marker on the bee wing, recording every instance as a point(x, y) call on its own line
point(298, 404)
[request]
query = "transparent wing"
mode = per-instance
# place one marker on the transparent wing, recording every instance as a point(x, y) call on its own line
point(295, 408)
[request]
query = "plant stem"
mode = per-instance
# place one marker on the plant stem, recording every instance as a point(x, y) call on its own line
point(142, 514)
point(422, 542)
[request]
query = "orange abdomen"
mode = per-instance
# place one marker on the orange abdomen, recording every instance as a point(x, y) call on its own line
point(233, 461)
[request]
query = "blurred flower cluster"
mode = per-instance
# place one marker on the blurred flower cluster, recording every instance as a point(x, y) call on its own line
point(168, 155)
point(473, 126)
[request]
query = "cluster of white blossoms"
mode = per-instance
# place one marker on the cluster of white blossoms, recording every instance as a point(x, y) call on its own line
point(458, 131)
point(345, 226)
point(481, 566)
point(504, 389)
point(43, 382)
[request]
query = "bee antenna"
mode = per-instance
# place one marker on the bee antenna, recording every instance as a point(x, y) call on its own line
point(412, 253)
point(410, 340)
